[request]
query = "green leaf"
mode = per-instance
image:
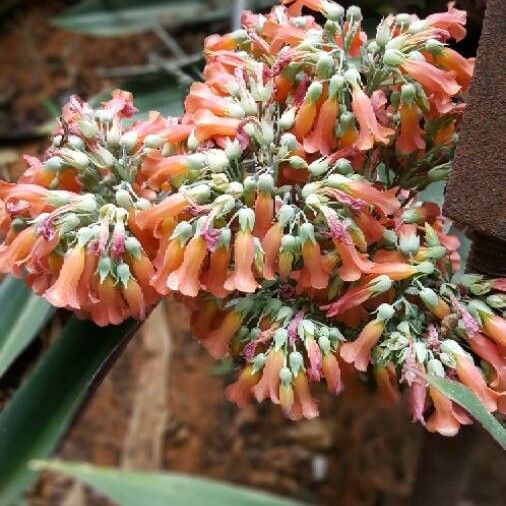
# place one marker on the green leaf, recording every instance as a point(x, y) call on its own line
point(36, 418)
point(467, 399)
point(23, 316)
point(162, 489)
point(435, 192)
point(122, 17)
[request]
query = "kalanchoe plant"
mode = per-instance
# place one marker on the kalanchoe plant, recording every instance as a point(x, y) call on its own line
point(283, 208)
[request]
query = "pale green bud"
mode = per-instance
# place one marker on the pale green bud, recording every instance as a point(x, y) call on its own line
point(246, 218)
point(69, 222)
point(128, 140)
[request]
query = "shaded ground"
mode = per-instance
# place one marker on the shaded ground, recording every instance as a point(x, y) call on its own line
point(162, 405)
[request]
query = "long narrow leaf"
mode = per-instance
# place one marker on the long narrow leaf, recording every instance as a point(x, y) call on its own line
point(467, 399)
point(22, 316)
point(122, 17)
point(157, 489)
point(36, 418)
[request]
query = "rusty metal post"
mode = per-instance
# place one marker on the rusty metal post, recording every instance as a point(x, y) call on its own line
point(476, 192)
point(476, 200)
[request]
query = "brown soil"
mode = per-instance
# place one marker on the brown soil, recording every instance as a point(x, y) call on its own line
point(162, 405)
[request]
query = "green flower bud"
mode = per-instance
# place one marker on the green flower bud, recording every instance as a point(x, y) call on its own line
point(296, 362)
point(258, 362)
point(88, 128)
point(385, 312)
point(296, 162)
point(286, 214)
point(333, 11)
point(318, 167)
point(76, 142)
point(403, 20)
point(352, 77)
point(88, 204)
point(69, 222)
point(287, 119)
point(336, 84)
point(343, 166)
point(128, 141)
point(353, 14)
point(133, 246)
point(434, 47)
point(123, 199)
point(265, 183)
point(383, 34)
point(306, 233)
point(280, 338)
point(285, 376)
point(435, 368)
point(104, 268)
point(54, 164)
point(235, 189)
point(246, 219)
point(123, 273)
point(324, 343)
point(324, 65)
point(314, 91)
point(392, 58)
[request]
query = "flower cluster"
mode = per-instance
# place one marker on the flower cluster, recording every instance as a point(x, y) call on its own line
point(283, 208)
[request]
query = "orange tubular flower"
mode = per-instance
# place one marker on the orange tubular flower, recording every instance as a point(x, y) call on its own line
point(322, 139)
point(490, 352)
point(304, 404)
point(312, 257)
point(186, 278)
point(396, 271)
point(271, 244)
point(268, 386)
point(208, 125)
point(169, 207)
point(357, 295)
point(444, 419)
point(242, 277)
point(436, 305)
point(386, 381)
point(358, 352)
point(452, 21)
point(472, 377)
point(306, 114)
point(296, 8)
point(451, 60)
point(370, 130)
point(217, 341)
point(110, 309)
point(410, 138)
point(159, 169)
point(214, 278)
point(202, 97)
point(264, 206)
point(354, 264)
point(16, 252)
point(332, 373)
point(384, 200)
point(494, 327)
point(65, 292)
point(436, 82)
point(241, 392)
point(172, 260)
point(134, 297)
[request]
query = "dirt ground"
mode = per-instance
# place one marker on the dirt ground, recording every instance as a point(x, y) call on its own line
point(162, 405)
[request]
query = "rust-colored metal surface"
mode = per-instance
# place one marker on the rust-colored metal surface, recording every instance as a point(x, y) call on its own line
point(476, 192)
